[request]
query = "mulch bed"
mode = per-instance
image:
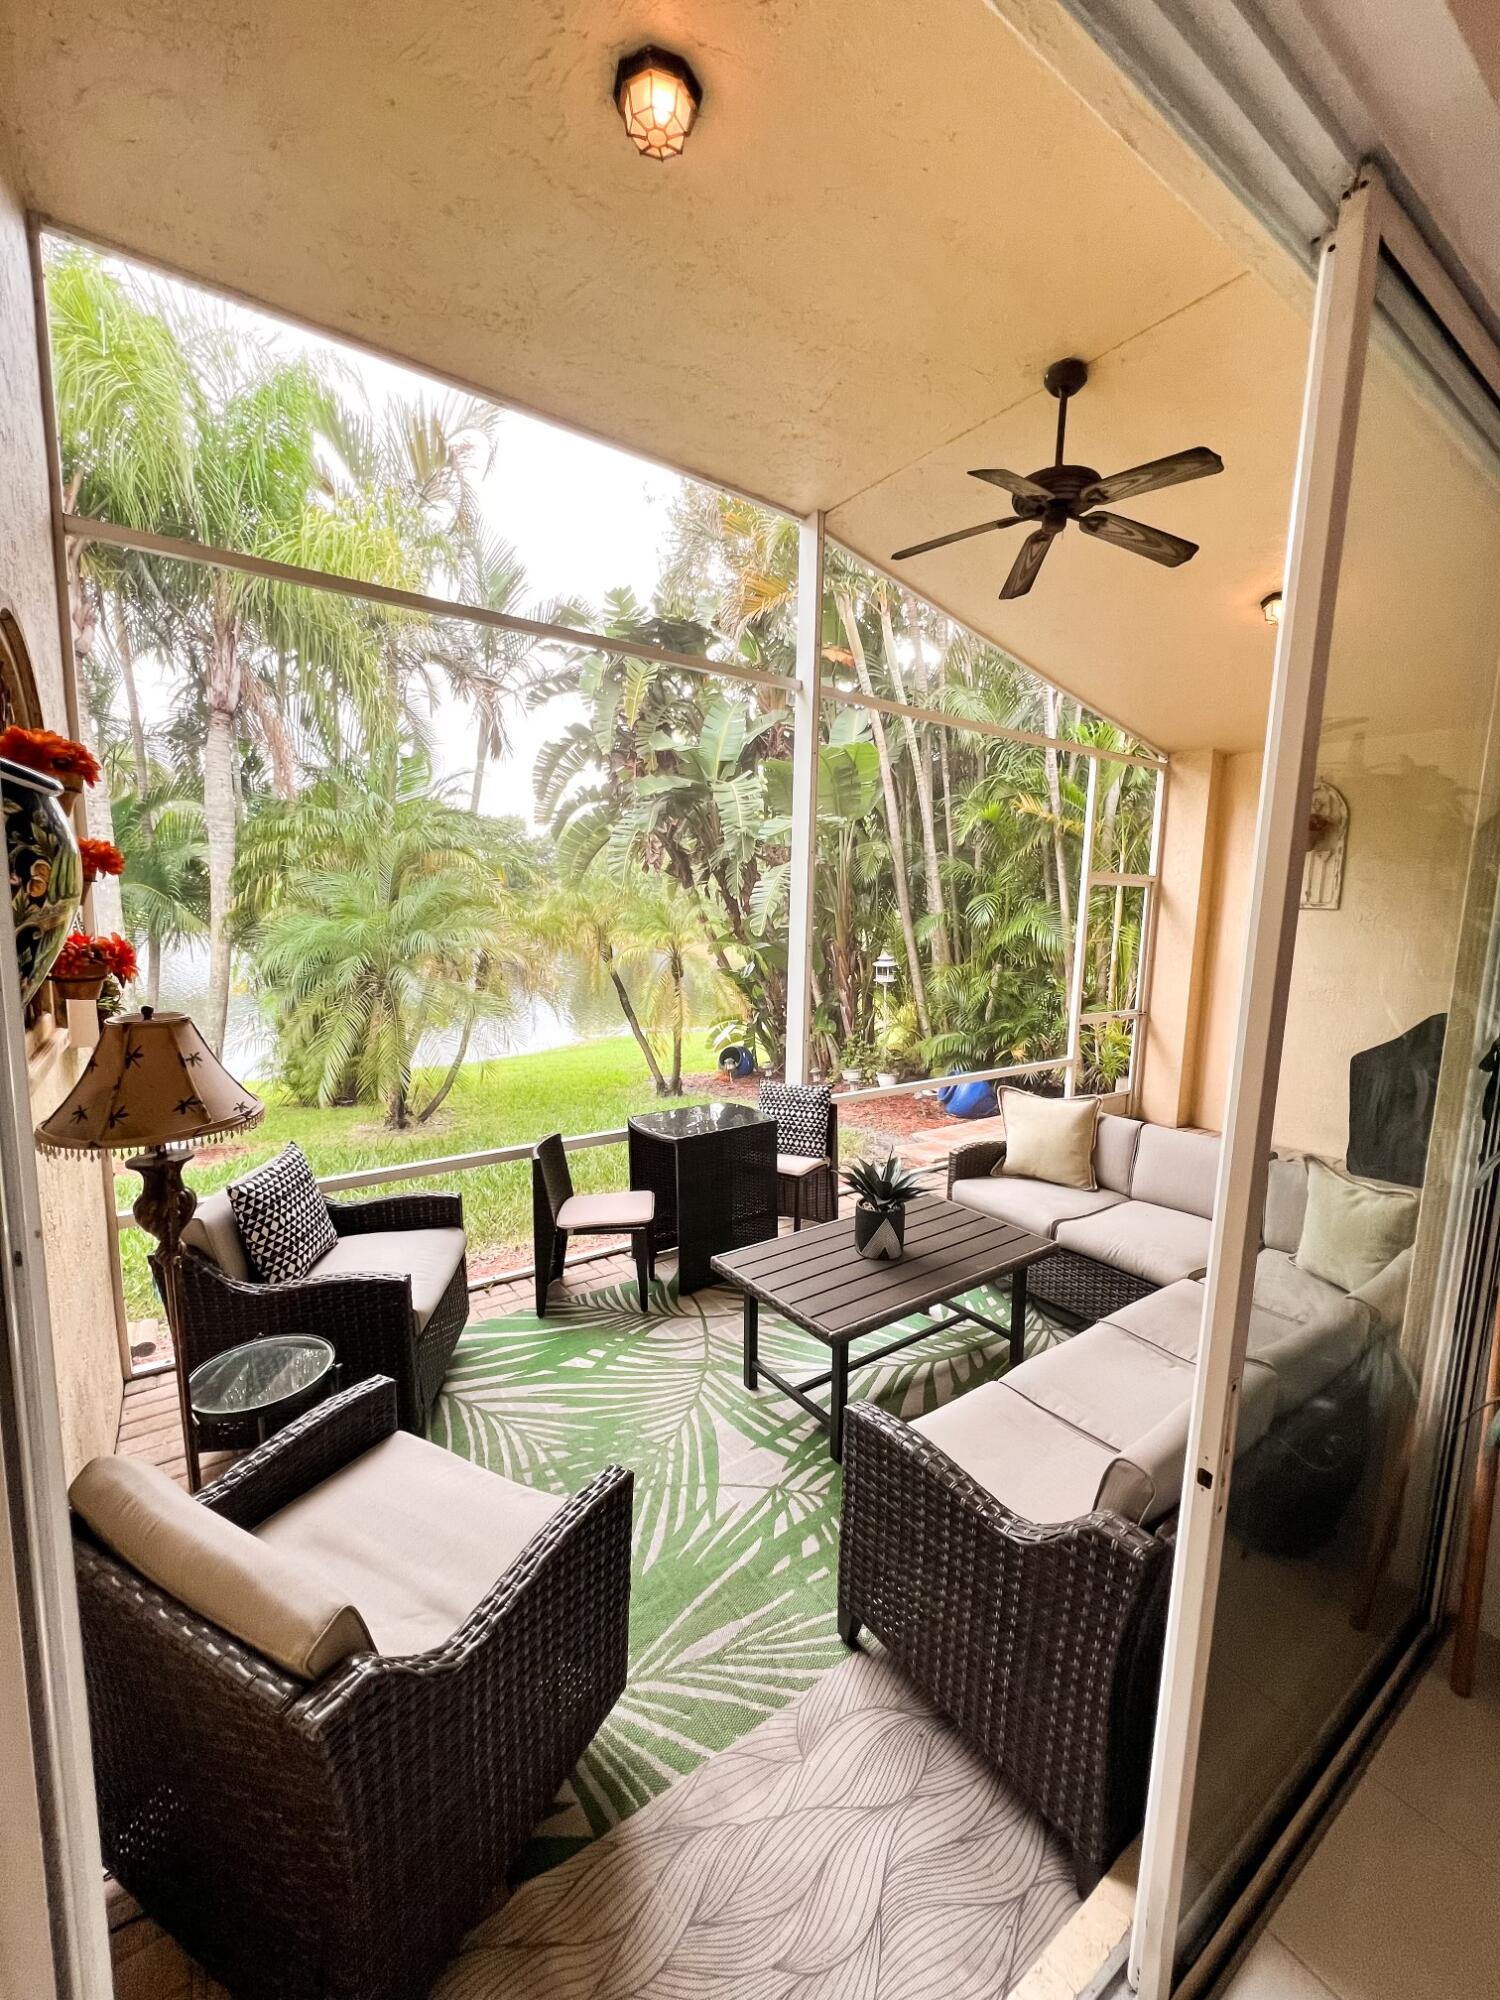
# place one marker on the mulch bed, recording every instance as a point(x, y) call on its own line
point(915, 1111)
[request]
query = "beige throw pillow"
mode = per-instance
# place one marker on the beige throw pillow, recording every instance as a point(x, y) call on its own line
point(1352, 1230)
point(1049, 1138)
point(267, 1597)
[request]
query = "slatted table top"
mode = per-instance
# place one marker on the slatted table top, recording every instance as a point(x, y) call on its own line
point(817, 1277)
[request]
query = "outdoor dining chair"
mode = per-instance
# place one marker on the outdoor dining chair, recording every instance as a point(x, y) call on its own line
point(557, 1213)
point(807, 1150)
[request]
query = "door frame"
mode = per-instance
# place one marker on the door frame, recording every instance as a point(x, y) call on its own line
point(1348, 268)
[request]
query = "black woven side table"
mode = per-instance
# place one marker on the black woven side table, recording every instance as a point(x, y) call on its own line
point(712, 1168)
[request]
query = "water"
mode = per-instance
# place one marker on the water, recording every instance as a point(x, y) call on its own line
point(579, 1014)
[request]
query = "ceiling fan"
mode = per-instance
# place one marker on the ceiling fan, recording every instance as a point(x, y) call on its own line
point(1061, 493)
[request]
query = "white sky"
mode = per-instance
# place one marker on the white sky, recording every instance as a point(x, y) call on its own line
point(584, 518)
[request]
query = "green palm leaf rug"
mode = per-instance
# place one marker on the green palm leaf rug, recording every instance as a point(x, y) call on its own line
point(736, 1504)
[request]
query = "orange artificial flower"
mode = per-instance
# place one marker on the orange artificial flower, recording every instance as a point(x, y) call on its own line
point(100, 857)
point(45, 750)
point(86, 957)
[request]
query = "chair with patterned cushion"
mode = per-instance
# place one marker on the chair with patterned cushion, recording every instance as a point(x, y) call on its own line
point(557, 1213)
point(807, 1150)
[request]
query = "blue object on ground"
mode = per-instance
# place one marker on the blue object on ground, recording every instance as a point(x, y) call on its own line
point(736, 1060)
point(969, 1100)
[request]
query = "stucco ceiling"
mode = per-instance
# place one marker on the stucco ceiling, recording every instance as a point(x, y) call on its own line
point(891, 217)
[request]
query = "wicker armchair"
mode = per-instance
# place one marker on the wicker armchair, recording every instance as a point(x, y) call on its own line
point(369, 1317)
point(1079, 1287)
point(332, 1840)
point(1042, 1643)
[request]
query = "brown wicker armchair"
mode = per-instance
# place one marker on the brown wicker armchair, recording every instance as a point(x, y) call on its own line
point(807, 1151)
point(333, 1839)
point(373, 1318)
point(1042, 1643)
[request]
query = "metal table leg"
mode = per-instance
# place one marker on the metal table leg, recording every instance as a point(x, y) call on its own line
point(752, 1330)
point(1018, 1316)
point(838, 1399)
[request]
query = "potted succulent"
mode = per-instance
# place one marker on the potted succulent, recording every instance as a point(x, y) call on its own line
point(883, 1190)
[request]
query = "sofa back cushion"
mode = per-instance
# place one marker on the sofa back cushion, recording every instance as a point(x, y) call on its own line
point(214, 1233)
point(1176, 1169)
point(1049, 1138)
point(283, 1218)
point(1114, 1151)
point(1286, 1204)
point(1352, 1230)
point(269, 1598)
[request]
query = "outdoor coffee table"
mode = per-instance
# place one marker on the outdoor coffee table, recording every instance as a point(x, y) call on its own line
point(818, 1280)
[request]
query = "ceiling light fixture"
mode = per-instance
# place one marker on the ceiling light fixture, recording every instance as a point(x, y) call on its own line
point(1271, 608)
point(658, 97)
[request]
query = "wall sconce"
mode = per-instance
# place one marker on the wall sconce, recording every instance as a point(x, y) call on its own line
point(658, 98)
point(1271, 608)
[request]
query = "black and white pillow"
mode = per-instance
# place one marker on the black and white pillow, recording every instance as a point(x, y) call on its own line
point(282, 1218)
point(801, 1114)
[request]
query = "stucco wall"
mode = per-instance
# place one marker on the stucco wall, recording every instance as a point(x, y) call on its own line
point(1379, 963)
point(73, 1215)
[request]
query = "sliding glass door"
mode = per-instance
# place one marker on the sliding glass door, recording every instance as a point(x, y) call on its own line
point(1333, 1323)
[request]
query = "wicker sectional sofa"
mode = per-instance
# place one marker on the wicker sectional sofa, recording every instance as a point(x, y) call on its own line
point(1012, 1547)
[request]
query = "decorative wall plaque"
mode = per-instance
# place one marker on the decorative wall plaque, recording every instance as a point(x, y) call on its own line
point(1323, 862)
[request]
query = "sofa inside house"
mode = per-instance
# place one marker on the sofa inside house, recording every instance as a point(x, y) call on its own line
point(1012, 1547)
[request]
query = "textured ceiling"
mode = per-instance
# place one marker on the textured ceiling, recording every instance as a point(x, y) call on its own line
point(890, 218)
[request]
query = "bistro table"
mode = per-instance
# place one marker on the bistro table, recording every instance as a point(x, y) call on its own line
point(712, 1168)
point(819, 1281)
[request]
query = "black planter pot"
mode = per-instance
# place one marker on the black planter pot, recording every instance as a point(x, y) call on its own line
point(46, 875)
point(880, 1233)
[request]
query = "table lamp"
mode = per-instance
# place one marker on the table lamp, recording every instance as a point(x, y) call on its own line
point(153, 1083)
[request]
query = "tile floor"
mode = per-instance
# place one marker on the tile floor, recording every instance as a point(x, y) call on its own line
point(1401, 1901)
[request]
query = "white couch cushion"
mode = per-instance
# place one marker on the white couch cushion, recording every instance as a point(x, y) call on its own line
point(1176, 1169)
point(214, 1232)
point(429, 1257)
point(1114, 1151)
point(1035, 1205)
point(412, 1533)
point(1155, 1243)
point(1034, 1463)
point(273, 1600)
point(1171, 1319)
point(1049, 1138)
point(1352, 1230)
point(1135, 1397)
point(1286, 1204)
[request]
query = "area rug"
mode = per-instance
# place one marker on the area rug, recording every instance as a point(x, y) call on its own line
point(736, 1504)
point(851, 1848)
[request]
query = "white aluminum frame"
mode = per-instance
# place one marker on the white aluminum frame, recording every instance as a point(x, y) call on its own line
point(1348, 268)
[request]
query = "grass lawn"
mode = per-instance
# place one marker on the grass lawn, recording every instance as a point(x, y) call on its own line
point(592, 1087)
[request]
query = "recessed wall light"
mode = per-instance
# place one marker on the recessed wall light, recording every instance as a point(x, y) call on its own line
point(658, 97)
point(1271, 608)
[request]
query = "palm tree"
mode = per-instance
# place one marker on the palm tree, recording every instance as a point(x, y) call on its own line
point(379, 910)
point(164, 890)
point(595, 923)
point(667, 928)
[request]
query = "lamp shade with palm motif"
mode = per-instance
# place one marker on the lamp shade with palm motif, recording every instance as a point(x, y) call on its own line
point(151, 1081)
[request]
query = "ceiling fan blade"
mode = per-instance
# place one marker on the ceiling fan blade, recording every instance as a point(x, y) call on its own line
point(1138, 538)
point(1174, 470)
point(1023, 570)
point(963, 535)
point(1013, 482)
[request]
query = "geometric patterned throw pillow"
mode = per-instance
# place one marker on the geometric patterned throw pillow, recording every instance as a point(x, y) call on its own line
point(282, 1217)
point(801, 1114)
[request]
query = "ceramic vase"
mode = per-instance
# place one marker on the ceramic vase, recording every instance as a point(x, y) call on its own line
point(880, 1233)
point(46, 875)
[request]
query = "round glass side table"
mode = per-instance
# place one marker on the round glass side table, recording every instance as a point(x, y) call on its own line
point(247, 1393)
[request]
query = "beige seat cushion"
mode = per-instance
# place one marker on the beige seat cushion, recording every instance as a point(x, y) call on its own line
point(1115, 1145)
point(215, 1234)
point(1035, 1205)
point(796, 1165)
point(1307, 1331)
point(1171, 1319)
point(429, 1257)
point(1049, 1139)
point(412, 1533)
point(1352, 1230)
point(1033, 1462)
point(626, 1210)
point(1286, 1203)
point(1176, 1169)
point(270, 1598)
point(1158, 1244)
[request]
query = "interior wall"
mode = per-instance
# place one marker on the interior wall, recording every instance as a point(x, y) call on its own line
point(74, 1224)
